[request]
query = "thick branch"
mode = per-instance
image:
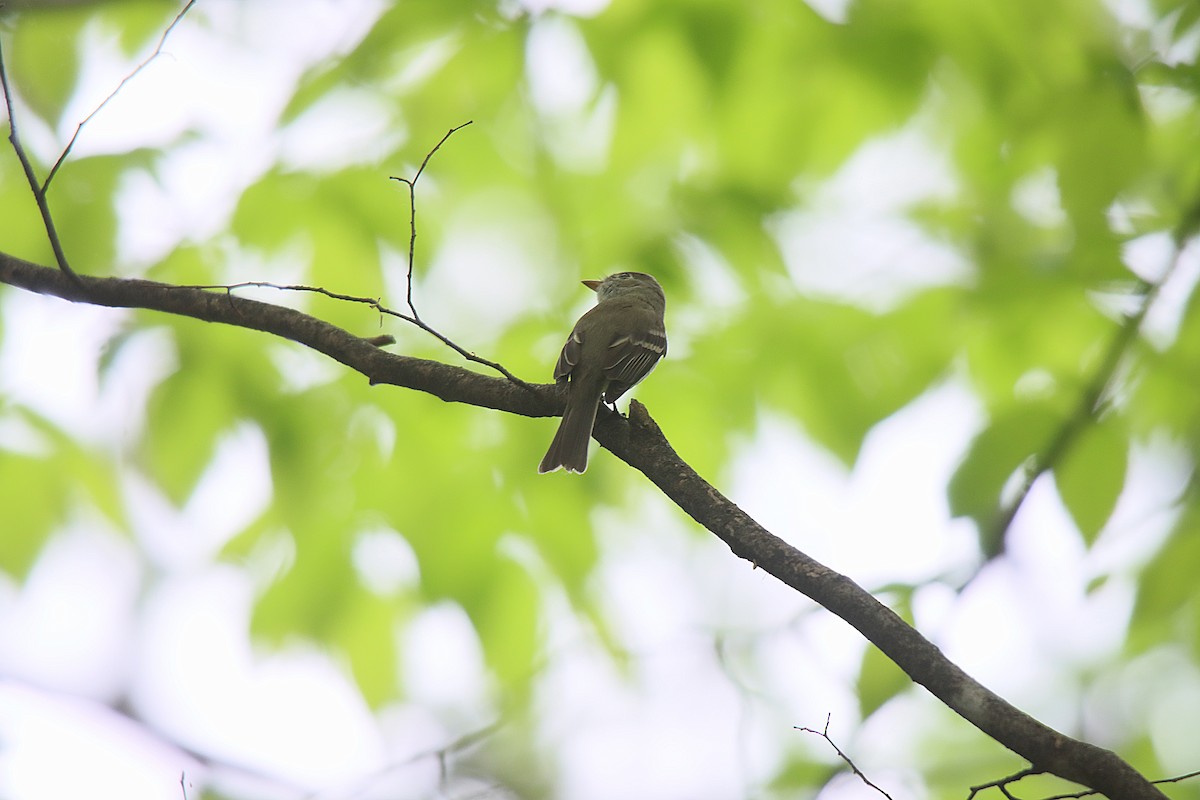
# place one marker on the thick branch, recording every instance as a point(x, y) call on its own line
point(450, 383)
point(642, 445)
point(639, 442)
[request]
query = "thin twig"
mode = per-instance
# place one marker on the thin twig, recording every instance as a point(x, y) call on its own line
point(463, 742)
point(378, 306)
point(78, 128)
point(411, 183)
point(1091, 792)
point(40, 191)
point(414, 317)
point(39, 196)
point(825, 735)
point(1179, 778)
point(1002, 783)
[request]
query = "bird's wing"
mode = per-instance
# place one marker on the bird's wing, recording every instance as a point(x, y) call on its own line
point(569, 356)
point(631, 358)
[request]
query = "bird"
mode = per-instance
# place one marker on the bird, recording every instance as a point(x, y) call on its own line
point(611, 348)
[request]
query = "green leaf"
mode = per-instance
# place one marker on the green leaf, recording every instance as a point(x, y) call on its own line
point(879, 680)
point(267, 211)
point(140, 25)
point(839, 370)
point(309, 597)
point(800, 775)
point(37, 492)
point(1167, 607)
point(46, 83)
point(98, 480)
point(33, 495)
point(1006, 444)
point(1114, 137)
point(507, 621)
point(82, 199)
point(367, 634)
point(23, 230)
point(1092, 475)
point(222, 379)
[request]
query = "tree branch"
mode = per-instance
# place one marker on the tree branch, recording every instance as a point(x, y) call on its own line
point(824, 734)
point(40, 191)
point(378, 306)
point(1090, 404)
point(39, 195)
point(66, 151)
point(639, 442)
point(411, 183)
point(642, 445)
point(450, 383)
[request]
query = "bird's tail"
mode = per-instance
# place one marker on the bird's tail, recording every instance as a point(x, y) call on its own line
point(569, 449)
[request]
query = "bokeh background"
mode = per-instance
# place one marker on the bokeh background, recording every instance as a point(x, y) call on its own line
point(899, 241)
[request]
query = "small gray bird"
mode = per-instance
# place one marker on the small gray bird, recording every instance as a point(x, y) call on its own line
point(611, 348)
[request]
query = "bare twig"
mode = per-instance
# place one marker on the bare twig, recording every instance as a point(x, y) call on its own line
point(378, 306)
point(411, 183)
point(413, 316)
point(441, 754)
point(1003, 783)
point(40, 191)
point(38, 194)
point(78, 128)
point(824, 734)
point(1179, 778)
point(1091, 792)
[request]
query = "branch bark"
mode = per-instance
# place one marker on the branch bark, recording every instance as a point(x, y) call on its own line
point(639, 442)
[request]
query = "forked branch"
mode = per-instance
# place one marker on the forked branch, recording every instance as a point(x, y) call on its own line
point(40, 190)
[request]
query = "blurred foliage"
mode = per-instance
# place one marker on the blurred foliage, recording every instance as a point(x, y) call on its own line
point(707, 119)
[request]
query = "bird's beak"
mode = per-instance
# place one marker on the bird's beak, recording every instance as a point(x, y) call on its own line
point(593, 285)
